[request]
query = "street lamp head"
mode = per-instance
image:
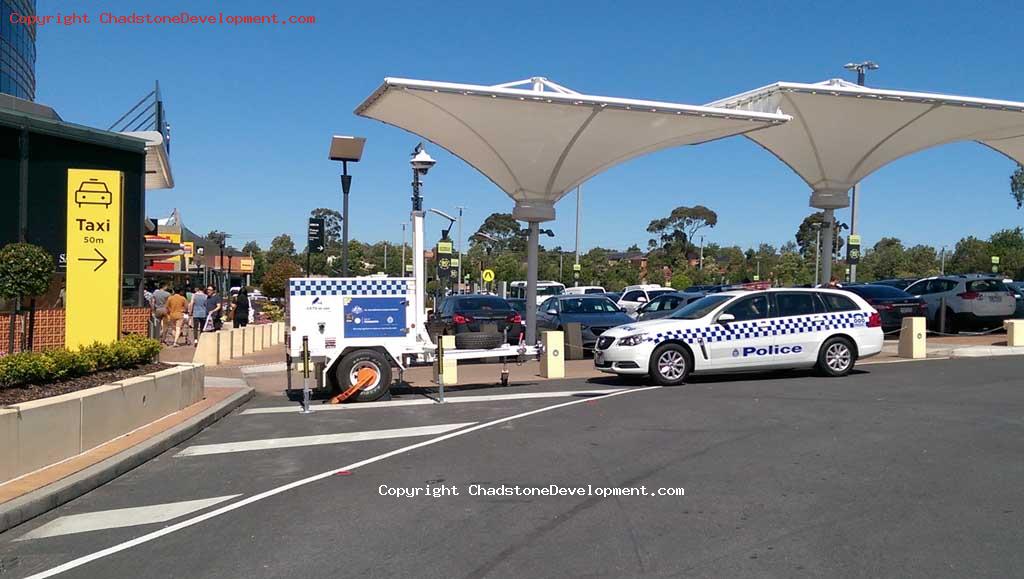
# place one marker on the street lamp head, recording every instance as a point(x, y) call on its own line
point(861, 66)
point(346, 148)
point(443, 214)
point(421, 162)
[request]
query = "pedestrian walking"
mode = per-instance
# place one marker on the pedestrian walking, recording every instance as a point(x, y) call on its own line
point(197, 308)
point(177, 306)
point(214, 308)
point(160, 297)
point(241, 319)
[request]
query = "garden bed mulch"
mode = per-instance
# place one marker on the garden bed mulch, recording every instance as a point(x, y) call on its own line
point(24, 393)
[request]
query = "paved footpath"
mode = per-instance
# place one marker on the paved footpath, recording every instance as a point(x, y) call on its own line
point(909, 470)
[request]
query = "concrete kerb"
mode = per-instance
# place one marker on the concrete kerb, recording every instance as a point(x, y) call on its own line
point(35, 503)
point(986, 351)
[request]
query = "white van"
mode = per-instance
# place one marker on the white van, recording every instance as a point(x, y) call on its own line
point(584, 290)
point(545, 289)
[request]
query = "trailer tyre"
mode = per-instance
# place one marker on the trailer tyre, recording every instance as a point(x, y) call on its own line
point(347, 369)
point(478, 341)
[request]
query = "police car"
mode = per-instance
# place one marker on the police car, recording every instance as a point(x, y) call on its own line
point(746, 330)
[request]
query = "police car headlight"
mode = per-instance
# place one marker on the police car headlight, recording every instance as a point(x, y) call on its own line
point(633, 340)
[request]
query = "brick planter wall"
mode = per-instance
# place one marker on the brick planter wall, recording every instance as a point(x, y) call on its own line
point(49, 328)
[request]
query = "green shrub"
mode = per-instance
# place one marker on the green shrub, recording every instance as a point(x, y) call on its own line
point(273, 311)
point(61, 364)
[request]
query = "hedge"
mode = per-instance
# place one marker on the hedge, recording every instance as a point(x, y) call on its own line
point(61, 364)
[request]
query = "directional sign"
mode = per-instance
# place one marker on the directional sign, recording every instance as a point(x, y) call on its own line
point(315, 235)
point(576, 267)
point(853, 250)
point(444, 247)
point(488, 275)
point(995, 260)
point(94, 238)
point(454, 262)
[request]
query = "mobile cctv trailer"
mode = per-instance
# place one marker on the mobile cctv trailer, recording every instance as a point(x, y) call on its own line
point(357, 331)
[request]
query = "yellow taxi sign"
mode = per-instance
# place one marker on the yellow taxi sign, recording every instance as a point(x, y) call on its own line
point(488, 275)
point(94, 240)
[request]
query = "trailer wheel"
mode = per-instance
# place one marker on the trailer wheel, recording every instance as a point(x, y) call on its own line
point(350, 365)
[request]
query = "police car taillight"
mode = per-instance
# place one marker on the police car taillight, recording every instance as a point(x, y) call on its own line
point(875, 321)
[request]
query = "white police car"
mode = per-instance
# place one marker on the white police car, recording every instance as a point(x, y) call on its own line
point(746, 330)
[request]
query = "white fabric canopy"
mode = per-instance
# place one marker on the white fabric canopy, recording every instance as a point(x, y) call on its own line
point(842, 132)
point(536, 145)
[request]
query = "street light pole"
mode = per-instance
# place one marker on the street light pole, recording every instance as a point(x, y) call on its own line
point(346, 184)
point(701, 263)
point(402, 274)
point(861, 69)
point(459, 282)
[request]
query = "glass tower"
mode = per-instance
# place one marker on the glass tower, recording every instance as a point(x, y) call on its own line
point(17, 49)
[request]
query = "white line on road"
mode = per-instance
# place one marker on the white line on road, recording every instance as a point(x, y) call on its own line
point(75, 563)
point(425, 402)
point(293, 441)
point(117, 518)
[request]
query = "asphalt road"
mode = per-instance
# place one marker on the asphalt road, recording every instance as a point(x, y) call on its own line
point(906, 469)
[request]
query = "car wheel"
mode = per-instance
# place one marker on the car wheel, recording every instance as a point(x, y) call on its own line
point(348, 368)
point(836, 357)
point(670, 365)
point(478, 341)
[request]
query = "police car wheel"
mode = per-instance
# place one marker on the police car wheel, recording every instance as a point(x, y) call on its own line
point(347, 370)
point(670, 364)
point(836, 357)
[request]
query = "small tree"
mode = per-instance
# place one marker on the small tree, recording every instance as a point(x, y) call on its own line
point(275, 281)
point(1017, 186)
point(25, 270)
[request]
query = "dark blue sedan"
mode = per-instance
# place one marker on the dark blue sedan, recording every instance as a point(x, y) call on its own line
point(595, 314)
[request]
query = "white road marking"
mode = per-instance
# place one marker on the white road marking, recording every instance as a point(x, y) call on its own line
point(426, 401)
point(117, 518)
point(75, 563)
point(293, 441)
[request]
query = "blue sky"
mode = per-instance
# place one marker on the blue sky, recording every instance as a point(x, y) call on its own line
point(252, 108)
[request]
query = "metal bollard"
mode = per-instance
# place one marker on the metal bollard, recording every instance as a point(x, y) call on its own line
point(305, 376)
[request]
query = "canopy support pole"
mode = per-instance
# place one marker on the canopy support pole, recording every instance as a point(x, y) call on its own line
point(531, 283)
point(827, 245)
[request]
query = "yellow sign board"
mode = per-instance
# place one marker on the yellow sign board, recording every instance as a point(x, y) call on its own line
point(444, 247)
point(854, 240)
point(94, 241)
point(488, 275)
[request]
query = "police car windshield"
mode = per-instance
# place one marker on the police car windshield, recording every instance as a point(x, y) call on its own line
point(701, 307)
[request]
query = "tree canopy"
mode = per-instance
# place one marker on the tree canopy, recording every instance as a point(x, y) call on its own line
point(675, 233)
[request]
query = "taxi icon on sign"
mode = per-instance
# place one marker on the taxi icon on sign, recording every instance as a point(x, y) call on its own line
point(93, 192)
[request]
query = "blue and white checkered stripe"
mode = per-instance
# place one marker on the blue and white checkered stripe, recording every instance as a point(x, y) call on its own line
point(774, 327)
point(350, 287)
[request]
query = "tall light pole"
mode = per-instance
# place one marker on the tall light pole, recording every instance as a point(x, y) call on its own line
point(942, 265)
point(421, 162)
point(579, 202)
point(860, 68)
point(701, 263)
point(345, 149)
point(402, 273)
point(459, 282)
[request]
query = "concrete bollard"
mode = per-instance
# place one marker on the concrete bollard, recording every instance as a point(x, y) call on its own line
point(1014, 332)
point(265, 330)
point(206, 350)
point(552, 363)
point(249, 333)
point(912, 338)
point(237, 341)
point(573, 341)
point(448, 367)
point(278, 333)
point(224, 349)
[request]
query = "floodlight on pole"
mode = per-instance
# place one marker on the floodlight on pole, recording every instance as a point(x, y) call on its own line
point(345, 149)
point(860, 69)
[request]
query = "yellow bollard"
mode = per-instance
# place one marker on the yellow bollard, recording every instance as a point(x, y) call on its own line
point(1014, 332)
point(552, 364)
point(912, 338)
point(447, 368)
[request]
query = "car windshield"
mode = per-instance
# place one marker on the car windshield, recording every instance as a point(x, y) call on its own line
point(655, 293)
point(700, 308)
point(877, 291)
point(482, 303)
point(587, 306)
point(550, 290)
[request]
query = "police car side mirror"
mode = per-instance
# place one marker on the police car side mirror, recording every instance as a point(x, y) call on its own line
point(726, 318)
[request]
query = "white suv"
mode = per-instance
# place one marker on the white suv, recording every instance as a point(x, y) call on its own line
point(635, 296)
point(970, 300)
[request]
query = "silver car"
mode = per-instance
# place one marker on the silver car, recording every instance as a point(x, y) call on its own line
point(969, 301)
point(663, 305)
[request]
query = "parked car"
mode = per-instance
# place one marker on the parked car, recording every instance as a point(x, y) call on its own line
point(595, 314)
point(665, 304)
point(545, 289)
point(614, 296)
point(893, 304)
point(518, 304)
point(584, 290)
point(476, 321)
point(635, 296)
point(900, 283)
point(971, 301)
point(1017, 287)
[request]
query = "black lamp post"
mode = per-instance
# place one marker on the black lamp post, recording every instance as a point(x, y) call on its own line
point(345, 149)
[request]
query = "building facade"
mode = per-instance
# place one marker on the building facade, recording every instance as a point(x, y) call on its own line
point(17, 49)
